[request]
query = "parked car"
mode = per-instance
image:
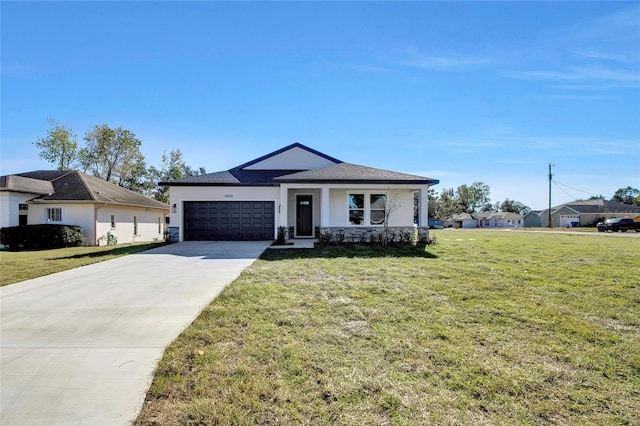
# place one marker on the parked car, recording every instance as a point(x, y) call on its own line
point(618, 224)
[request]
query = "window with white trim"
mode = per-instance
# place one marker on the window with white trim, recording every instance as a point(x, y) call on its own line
point(23, 207)
point(113, 221)
point(54, 214)
point(366, 209)
point(377, 206)
point(356, 209)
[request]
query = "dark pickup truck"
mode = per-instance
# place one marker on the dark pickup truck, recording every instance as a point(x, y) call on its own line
point(618, 224)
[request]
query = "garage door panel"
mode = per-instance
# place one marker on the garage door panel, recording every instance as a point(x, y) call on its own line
point(229, 220)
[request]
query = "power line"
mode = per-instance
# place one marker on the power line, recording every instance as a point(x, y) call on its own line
point(576, 189)
point(558, 186)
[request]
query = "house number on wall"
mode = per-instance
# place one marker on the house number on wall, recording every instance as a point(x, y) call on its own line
point(228, 195)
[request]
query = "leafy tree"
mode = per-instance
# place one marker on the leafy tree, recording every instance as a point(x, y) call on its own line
point(173, 167)
point(139, 179)
point(513, 206)
point(473, 197)
point(112, 154)
point(449, 204)
point(59, 147)
point(627, 195)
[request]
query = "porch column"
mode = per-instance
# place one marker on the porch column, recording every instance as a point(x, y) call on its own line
point(283, 208)
point(324, 207)
point(423, 207)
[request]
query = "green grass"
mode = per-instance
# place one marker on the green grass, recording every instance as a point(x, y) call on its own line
point(481, 328)
point(23, 265)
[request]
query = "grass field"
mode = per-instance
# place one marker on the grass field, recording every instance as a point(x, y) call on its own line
point(23, 265)
point(480, 328)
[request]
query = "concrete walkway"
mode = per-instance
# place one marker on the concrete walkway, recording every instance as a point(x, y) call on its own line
point(79, 347)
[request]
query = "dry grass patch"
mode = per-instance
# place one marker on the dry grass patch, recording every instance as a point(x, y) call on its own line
point(482, 328)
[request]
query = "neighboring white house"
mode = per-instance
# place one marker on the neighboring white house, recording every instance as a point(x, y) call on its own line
point(304, 191)
point(487, 220)
point(74, 198)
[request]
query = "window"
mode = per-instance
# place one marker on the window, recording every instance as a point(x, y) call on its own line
point(377, 205)
point(23, 207)
point(135, 226)
point(356, 209)
point(54, 214)
point(367, 209)
point(113, 221)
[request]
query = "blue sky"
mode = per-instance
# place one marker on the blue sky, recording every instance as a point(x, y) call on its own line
point(460, 92)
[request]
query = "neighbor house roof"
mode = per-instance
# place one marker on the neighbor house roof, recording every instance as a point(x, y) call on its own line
point(463, 216)
point(598, 206)
point(73, 186)
point(24, 184)
point(332, 171)
point(505, 216)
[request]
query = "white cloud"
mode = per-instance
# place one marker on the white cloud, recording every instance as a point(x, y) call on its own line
point(621, 77)
point(431, 62)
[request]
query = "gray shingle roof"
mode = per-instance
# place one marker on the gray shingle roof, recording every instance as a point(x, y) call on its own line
point(346, 172)
point(73, 186)
point(28, 185)
point(597, 206)
point(336, 173)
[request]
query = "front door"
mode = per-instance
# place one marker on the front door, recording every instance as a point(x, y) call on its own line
point(304, 216)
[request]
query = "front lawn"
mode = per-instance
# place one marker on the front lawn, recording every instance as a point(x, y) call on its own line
point(481, 328)
point(23, 265)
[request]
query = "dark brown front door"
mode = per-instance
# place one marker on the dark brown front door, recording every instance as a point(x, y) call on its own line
point(304, 216)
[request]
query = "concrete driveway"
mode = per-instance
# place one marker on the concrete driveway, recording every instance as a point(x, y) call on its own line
point(79, 347)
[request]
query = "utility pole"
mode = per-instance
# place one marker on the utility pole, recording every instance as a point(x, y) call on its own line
point(550, 177)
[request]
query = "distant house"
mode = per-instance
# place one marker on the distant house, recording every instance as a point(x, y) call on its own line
point(586, 213)
point(464, 220)
point(488, 220)
point(532, 219)
point(302, 190)
point(75, 198)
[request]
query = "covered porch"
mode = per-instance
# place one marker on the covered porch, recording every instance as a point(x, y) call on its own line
point(353, 213)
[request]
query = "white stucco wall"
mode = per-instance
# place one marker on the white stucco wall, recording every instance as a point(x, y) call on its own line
point(303, 160)
point(72, 214)
point(285, 214)
point(9, 207)
point(401, 198)
point(95, 220)
point(147, 219)
point(179, 194)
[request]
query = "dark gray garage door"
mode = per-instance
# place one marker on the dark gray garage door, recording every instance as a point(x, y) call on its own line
point(229, 220)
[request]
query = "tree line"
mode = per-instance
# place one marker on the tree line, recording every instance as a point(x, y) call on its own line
point(469, 199)
point(476, 198)
point(113, 155)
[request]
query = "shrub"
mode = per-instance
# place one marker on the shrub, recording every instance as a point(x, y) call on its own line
point(281, 238)
point(45, 236)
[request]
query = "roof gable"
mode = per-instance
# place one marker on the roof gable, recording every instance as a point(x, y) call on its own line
point(74, 186)
point(17, 183)
point(293, 157)
point(297, 163)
